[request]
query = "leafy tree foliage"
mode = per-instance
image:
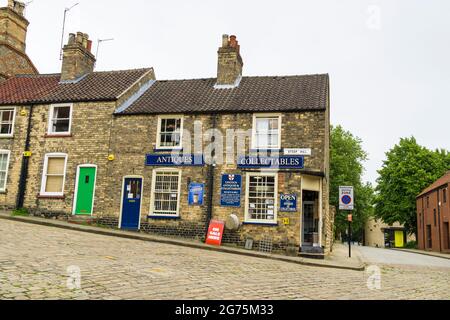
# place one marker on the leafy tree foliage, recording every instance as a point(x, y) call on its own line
point(407, 171)
point(347, 168)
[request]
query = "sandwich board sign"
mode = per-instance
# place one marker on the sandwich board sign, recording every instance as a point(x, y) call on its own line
point(346, 198)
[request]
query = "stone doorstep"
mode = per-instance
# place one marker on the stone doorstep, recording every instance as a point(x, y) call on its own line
point(179, 242)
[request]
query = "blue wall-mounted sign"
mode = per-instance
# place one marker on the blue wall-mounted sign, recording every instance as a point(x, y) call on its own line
point(288, 203)
point(230, 195)
point(281, 162)
point(182, 160)
point(196, 194)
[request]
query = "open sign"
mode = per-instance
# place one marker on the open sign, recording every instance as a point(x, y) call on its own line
point(288, 203)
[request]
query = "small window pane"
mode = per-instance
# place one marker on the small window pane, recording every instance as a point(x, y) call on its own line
point(54, 184)
point(56, 166)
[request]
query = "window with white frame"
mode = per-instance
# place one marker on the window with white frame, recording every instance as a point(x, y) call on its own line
point(261, 200)
point(170, 132)
point(266, 132)
point(7, 121)
point(60, 119)
point(54, 175)
point(4, 162)
point(166, 187)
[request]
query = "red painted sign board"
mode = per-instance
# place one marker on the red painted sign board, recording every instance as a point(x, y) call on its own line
point(350, 218)
point(215, 233)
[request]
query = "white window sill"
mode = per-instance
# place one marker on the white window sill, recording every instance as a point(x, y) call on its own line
point(160, 216)
point(262, 223)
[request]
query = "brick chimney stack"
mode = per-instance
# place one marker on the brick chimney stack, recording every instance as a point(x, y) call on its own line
point(78, 59)
point(13, 25)
point(230, 64)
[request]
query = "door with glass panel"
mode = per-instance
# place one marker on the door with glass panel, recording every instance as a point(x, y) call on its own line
point(131, 203)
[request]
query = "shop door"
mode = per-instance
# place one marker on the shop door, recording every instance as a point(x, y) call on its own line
point(84, 202)
point(131, 204)
point(308, 224)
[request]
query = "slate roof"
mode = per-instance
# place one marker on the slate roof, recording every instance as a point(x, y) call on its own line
point(96, 86)
point(254, 94)
point(438, 183)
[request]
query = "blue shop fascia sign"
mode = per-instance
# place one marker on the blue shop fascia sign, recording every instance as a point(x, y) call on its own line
point(280, 162)
point(182, 160)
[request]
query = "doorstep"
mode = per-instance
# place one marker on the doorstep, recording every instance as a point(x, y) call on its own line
point(355, 265)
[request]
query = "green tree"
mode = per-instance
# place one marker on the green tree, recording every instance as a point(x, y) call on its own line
point(346, 169)
point(407, 171)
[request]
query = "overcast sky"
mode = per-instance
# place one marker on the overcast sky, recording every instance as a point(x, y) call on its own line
point(389, 61)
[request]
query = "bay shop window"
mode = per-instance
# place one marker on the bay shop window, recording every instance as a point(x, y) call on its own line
point(261, 198)
point(166, 188)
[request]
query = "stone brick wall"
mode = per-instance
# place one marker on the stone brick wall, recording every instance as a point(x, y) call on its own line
point(135, 136)
point(96, 133)
point(87, 144)
point(14, 63)
point(13, 32)
point(16, 145)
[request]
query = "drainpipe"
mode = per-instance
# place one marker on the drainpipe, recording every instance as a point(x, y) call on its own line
point(25, 164)
point(439, 220)
point(211, 168)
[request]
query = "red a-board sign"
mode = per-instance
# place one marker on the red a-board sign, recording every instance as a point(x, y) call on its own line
point(215, 233)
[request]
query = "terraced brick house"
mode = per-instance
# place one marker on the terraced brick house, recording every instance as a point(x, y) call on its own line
point(125, 150)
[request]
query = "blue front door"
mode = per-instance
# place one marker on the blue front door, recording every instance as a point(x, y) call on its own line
point(131, 207)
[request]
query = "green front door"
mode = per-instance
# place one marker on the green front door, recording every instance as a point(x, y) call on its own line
point(85, 191)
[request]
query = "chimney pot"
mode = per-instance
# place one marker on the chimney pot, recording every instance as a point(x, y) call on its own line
point(71, 38)
point(89, 45)
point(80, 37)
point(225, 41)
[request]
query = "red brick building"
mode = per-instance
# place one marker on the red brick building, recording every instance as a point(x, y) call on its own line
point(433, 216)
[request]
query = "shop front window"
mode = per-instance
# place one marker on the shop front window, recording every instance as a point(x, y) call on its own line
point(166, 193)
point(261, 198)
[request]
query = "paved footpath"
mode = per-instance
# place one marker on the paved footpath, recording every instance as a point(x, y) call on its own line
point(38, 262)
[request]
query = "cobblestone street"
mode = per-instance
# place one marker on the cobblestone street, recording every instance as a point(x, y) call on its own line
point(39, 262)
